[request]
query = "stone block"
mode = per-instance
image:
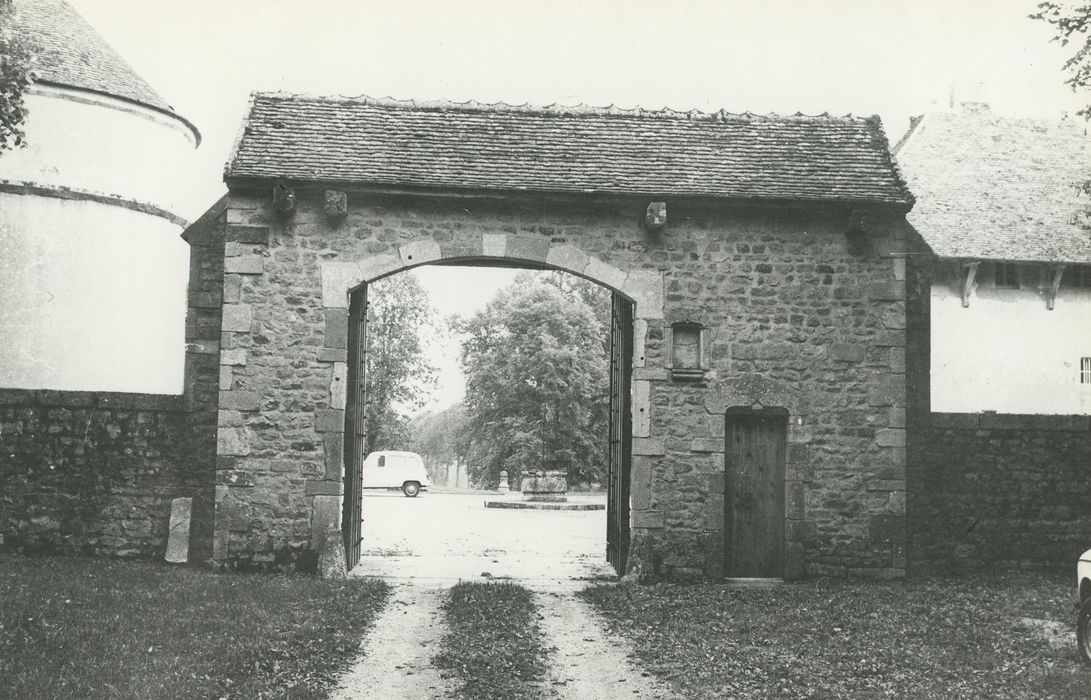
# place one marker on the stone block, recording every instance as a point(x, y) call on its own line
point(204, 347)
point(795, 501)
point(707, 445)
point(336, 328)
point(230, 419)
point(205, 300)
point(800, 434)
point(336, 205)
point(338, 385)
point(899, 268)
point(240, 400)
point(886, 485)
point(333, 455)
point(890, 437)
point(236, 357)
point(896, 417)
point(887, 390)
point(641, 479)
point(331, 557)
point(897, 360)
point(225, 378)
point(178, 531)
point(338, 278)
point(645, 287)
point(233, 441)
point(251, 235)
point(640, 334)
point(801, 530)
point(714, 512)
point(237, 318)
point(494, 245)
point(233, 249)
point(641, 409)
point(651, 447)
point(715, 482)
point(649, 519)
point(886, 528)
point(886, 291)
point(244, 265)
point(232, 290)
point(419, 252)
point(795, 561)
point(527, 248)
point(234, 477)
point(606, 274)
point(568, 257)
point(651, 374)
point(325, 516)
point(888, 338)
point(847, 352)
point(329, 420)
point(375, 266)
point(332, 355)
point(325, 488)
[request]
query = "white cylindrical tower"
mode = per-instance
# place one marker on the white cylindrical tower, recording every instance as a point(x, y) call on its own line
point(93, 271)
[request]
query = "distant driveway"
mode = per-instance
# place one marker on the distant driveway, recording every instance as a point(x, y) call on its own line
point(445, 537)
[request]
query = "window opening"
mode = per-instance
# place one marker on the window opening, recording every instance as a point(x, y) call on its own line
point(1085, 370)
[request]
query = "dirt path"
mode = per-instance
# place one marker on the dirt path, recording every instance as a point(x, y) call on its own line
point(588, 663)
point(398, 651)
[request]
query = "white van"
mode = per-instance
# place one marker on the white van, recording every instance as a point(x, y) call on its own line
point(390, 469)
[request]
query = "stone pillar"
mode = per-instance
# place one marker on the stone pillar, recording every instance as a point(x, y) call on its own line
point(545, 486)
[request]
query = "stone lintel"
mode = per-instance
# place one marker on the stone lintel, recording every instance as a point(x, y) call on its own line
point(494, 245)
point(568, 257)
point(533, 249)
point(606, 274)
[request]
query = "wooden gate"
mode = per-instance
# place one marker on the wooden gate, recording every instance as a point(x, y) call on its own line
point(355, 427)
point(754, 494)
point(621, 433)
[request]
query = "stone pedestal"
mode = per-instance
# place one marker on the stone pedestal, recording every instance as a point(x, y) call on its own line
point(503, 487)
point(545, 486)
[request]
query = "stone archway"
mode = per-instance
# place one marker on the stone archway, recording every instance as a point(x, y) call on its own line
point(638, 292)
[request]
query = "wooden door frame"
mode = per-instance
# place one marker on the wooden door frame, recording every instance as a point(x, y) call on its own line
point(355, 436)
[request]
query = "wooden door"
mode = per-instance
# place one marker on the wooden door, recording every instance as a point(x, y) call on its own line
point(621, 433)
point(355, 427)
point(754, 495)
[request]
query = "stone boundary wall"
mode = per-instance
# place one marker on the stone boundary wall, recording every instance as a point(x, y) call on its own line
point(999, 491)
point(92, 472)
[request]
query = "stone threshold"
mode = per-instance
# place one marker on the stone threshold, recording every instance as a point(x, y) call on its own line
point(544, 505)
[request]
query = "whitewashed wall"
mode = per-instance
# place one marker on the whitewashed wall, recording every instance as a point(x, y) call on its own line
point(92, 295)
point(1007, 352)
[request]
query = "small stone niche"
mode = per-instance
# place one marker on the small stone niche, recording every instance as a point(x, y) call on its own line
point(688, 355)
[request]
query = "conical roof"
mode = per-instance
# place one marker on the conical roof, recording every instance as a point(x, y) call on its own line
point(70, 52)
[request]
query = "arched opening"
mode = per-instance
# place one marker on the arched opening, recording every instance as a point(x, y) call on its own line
point(448, 509)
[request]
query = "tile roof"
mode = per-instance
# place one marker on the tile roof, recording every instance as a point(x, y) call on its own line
point(566, 149)
point(71, 53)
point(997, 188)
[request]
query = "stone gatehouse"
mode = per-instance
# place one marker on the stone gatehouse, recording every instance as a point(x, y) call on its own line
point(761, 260)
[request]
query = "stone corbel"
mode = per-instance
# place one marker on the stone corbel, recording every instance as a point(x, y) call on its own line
point(337, 207)
point(655, 217)
point(967, 273)
point(1054, 283)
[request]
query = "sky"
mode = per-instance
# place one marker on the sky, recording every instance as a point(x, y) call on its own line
point(894, 58)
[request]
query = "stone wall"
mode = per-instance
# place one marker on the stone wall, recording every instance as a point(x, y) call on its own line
point(1000, 491)
point(987, 490)
point(93, 473)
point(796, 312)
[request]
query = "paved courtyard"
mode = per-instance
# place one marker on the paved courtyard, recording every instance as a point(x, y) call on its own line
point(443, 537)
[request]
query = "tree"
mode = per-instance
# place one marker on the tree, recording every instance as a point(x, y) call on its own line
point(536, 383)
point(398, 374)
point(15, 77)
point(1071, 24)
point(441, 438)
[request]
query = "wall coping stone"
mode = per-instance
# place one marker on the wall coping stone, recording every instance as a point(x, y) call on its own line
point(97, 399)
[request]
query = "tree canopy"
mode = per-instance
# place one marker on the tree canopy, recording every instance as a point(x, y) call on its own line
point(398, 374)
point(1070, 24)
point(15, 76)
point(537, 378)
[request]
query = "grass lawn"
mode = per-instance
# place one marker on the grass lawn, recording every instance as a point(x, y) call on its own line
point(92, 628)
point(493, 643)
point(974, 637)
